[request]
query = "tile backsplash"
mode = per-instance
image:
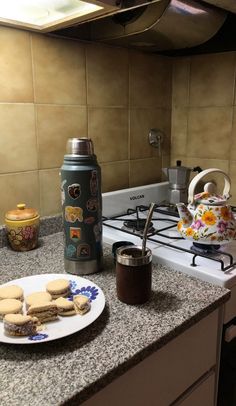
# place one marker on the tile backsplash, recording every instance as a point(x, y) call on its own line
point(203, 128)
point(53, 89)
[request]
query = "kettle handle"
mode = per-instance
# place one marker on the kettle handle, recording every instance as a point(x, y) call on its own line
point(199, 176)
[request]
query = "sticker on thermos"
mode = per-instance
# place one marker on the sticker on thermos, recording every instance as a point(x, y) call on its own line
point(73, 213)
point(74, 190)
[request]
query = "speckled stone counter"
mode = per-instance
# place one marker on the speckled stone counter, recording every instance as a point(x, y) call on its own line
point(70, 370)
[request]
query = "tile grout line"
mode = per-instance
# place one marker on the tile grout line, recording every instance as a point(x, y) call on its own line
point(86, 87)
point(35, 118)
point(129, 119)
point(232, 117)
point(188, 105)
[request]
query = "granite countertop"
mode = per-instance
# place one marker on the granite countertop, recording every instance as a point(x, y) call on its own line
point(70, 370)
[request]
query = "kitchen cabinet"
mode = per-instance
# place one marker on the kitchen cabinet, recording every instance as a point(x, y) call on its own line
point(184, 372)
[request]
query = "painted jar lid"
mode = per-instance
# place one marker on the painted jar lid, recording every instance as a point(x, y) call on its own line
point(21, 213)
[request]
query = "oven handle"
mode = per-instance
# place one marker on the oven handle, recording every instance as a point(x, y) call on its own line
point(230, 333)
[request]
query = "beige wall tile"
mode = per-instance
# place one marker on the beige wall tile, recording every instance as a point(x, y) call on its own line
point(18, 188)
point(107, 75)
point(209, 131)
point(166, 143)
point(181, 158)
point(232, 175)
point(141, 122)
point(16, 82)
point(18, 151)
point(115, 176)
point(233, 138)
point(108, 129)
point(180, 89)
point(207, 164)
point(212, 79)
point(145, 171)
point(50, 196)
point(55, 124)
point(179, 131)
point(165, 163)
point(150, 80)
point(59, 70)
point(192, 162)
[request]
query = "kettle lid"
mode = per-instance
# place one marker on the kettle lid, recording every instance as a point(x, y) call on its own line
point(209, 199)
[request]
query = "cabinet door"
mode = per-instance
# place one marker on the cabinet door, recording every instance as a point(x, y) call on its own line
point(165, 375)
point(202, 395)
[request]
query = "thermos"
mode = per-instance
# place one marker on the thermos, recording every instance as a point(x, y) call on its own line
point(82, 208)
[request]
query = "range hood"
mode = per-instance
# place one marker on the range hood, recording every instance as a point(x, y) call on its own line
point(150, 25)
point(158, 26)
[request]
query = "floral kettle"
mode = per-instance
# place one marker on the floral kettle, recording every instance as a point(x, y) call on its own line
point(207, 219)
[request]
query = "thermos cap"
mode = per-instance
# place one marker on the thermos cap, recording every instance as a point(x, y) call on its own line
point(79, 146)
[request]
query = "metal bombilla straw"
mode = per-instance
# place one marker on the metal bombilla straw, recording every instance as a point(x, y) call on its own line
point(149, 217)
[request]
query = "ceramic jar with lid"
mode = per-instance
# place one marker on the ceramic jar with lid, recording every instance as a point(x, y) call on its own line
point(22, 226)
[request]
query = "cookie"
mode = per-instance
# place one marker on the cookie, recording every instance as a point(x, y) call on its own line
point(65, 307)
point(11, 292)
point(36, 297)
point(8, 306)
point(58, 288)
point(82, 304)
point(19, 325)
point(44, 311)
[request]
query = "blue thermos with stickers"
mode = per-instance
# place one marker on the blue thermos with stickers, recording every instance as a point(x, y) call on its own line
point(81, 208)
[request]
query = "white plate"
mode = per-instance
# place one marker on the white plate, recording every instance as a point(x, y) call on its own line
point(65, 325)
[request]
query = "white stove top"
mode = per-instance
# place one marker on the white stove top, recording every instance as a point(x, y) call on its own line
point(117, 203)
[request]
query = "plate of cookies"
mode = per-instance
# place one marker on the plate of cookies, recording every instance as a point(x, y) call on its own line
point(47, 307)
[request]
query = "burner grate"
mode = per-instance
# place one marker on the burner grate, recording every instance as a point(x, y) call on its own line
point(161, 232)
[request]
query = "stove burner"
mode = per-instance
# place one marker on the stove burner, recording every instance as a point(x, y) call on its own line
point(137, 226)
point(167, 209)
point(205, 248)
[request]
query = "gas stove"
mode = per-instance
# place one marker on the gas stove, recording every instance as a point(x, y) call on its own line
point(124, 214)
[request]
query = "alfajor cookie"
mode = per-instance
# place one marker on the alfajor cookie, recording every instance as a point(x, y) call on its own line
point(8, 306)
point(82, 304)
point(36, 297)
point(44, 311)
point(19, 325)
point(58, 288)
point(65, 307)
point(11, 292)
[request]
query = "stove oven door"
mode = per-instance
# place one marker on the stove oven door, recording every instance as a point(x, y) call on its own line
point(227, 378)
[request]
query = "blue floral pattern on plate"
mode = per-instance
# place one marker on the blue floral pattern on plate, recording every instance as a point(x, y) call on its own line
point(90, 291)
point(73, 285)
point(38, 337)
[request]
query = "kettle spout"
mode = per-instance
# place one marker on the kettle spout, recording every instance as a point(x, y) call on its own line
point(184, 214)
